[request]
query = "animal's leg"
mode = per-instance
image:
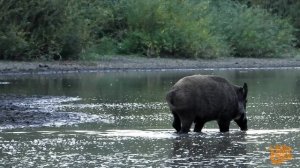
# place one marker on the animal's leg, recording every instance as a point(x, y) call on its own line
point(176, 122)
point(186, 123)
point(198, 125)
point(224, 125)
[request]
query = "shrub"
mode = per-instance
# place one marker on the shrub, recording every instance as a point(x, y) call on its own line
point(252, 32)
point(205, 29)
point(33, 26)
point(69, 29)
point(170, 28)
point(40, 29)
point(286, 9)
point(12, 43)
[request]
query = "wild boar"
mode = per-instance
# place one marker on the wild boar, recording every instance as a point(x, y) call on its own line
point(202, 98)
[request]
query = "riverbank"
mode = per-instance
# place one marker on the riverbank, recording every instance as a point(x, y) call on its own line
point(123, 63)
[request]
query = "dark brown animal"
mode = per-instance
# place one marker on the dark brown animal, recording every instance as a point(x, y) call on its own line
point(202, 98)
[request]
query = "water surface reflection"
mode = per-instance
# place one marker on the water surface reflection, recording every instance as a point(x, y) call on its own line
point(121, 119)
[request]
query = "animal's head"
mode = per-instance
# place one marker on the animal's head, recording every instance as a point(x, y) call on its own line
point(242, 101)
point(242, 93)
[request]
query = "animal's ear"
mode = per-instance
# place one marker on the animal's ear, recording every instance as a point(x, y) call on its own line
point(245, 90)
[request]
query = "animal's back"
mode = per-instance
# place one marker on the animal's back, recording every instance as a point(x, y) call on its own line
point(207, 95)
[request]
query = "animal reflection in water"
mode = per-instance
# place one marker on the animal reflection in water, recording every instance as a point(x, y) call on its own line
point(224, 149)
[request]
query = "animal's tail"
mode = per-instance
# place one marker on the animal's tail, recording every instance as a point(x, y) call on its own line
point(170, 99)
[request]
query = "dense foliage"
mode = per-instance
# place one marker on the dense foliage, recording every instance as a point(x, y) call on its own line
point(85, 29)
point(289, 9)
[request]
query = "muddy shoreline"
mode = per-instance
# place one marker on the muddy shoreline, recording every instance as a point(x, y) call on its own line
point(125, 63)
point(21, 111)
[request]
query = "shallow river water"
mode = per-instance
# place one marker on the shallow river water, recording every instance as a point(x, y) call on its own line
point(120, 119)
